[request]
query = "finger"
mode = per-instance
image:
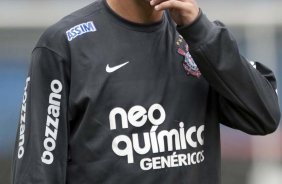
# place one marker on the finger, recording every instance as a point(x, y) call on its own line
point(169, 5)
point(155, 2)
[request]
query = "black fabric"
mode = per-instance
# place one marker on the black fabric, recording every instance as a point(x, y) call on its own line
point(116, 102)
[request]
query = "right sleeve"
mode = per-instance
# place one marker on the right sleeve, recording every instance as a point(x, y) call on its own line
point(41, 149)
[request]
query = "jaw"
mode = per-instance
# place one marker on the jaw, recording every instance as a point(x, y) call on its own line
point(139, 11)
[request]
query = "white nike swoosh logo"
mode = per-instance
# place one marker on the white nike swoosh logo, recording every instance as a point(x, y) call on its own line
point(112, 69)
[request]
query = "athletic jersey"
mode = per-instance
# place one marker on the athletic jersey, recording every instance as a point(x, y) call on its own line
point(108, 101)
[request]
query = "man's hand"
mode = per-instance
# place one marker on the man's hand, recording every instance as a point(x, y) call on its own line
point(183, 12)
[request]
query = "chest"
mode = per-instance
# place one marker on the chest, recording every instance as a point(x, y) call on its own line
point(138, 69)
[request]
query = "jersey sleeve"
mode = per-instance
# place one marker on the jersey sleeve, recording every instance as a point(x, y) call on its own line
point(40, 154)
point(246, 91)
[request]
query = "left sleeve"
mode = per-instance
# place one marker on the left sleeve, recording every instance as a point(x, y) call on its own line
point(247, 97)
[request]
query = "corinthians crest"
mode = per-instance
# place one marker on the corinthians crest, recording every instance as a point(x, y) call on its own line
point(189, 64)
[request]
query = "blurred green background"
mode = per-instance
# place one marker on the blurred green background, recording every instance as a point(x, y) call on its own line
point(256, 25)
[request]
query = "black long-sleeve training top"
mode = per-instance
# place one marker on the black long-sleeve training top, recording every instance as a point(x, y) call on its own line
point(108, 101)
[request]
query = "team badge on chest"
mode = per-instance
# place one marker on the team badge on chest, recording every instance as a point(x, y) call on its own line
point(189, 64)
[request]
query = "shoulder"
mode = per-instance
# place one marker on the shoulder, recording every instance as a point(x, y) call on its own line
point(56, 37)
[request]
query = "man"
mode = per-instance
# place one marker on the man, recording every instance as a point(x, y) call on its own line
point(125, 92)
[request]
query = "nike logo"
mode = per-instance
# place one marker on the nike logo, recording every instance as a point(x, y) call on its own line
point(112, 69)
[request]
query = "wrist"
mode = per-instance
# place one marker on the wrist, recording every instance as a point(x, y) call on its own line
point(196, 32)
point(191, 21)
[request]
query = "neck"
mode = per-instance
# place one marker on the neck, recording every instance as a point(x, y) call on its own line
point(138, 11)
